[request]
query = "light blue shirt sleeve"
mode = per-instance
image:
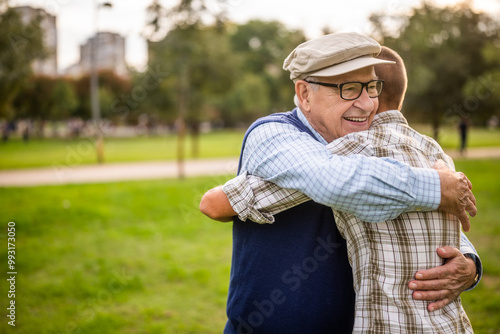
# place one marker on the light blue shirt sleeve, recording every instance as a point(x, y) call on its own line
point(373, 189)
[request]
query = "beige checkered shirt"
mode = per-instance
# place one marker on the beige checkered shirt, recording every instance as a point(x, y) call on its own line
point(384, 256)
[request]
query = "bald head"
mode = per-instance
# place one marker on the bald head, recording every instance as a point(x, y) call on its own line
point(395, 79)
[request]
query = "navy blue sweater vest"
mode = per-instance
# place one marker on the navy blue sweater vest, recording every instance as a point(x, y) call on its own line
point(292, 276)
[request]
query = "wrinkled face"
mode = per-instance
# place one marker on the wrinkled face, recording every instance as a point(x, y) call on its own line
point(334, 117)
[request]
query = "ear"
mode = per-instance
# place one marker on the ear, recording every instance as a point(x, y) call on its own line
point(303, 93)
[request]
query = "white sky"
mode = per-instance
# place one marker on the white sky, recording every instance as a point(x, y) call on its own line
point(75, 18)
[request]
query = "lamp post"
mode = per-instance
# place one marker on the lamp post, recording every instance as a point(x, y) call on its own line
point(94, 82)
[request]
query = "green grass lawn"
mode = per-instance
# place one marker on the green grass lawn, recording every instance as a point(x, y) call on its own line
point(73, 152)
point(449, 137)
point(49, 152)
point(132, 258)
point(138, 257)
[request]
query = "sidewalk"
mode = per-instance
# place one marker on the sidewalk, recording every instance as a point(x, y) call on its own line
point(59, 175)
point(476, 153)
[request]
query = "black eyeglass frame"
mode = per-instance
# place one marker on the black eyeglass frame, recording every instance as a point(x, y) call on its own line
point(339, 86)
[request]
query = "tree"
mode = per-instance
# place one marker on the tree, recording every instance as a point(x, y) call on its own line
point(201, 67)
point(248, 100)
point(64, 99)
point(443, 50)
point(111, 85)
point(263, 46)
point(45, 99)
point(189, 51)
point(483, 92)
point(20, 45)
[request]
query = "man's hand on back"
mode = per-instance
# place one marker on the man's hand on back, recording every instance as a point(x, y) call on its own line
point(443, 284)
point(456, 194)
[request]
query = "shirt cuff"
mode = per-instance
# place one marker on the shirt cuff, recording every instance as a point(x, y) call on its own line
point(479, 269)
point(426, 189)
point(241, 197)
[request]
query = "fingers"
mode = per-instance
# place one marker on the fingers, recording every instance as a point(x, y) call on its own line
point(468, 182)
point(444, 283)
point(439, 164)
point(456, 195)
point(472, 198)
point(425, 277)
point(464, 220)
point(429, 279)
point(432, 295)
point(438, 304)
point(439, 298)
point(471, 207)
point(447, 252)
point(430, 285)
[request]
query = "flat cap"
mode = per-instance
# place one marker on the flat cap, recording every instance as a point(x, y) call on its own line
point(332, 55)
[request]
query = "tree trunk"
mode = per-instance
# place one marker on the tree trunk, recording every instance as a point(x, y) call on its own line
point(195, 139)
point(181, 122)
point(435, 128)
point(40, 128)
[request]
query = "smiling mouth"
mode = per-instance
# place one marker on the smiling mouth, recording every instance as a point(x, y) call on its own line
point(356, 119)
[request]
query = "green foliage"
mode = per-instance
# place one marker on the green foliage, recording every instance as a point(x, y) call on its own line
point(248, 100)
point(112, 87)
point(445, 49)
point(211, 65)
point(20, 45)
point(483, 92)
point(263, 46)
point(200, 69)
point(65, 100)
point(36, 99)
point(184, 14)
point(50, 99)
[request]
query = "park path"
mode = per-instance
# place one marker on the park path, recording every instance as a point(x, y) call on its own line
point(59, 175)
point(112, 172)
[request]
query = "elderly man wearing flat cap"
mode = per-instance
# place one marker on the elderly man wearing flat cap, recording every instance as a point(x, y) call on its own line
point(293, 276)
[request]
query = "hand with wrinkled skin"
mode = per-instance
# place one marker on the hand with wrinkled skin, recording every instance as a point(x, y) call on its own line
point(443, 284)
point(456, 194)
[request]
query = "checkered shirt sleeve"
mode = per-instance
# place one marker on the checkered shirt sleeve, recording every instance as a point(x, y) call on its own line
point(258, 200)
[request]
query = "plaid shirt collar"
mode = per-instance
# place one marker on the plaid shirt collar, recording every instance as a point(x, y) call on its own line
point(389, 116)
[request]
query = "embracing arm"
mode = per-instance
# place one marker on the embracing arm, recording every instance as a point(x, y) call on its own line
point(249, 197)
point(215, 205)
point(372, 189)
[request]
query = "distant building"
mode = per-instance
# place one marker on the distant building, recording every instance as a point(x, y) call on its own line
point(48, 65)
point(109, 53)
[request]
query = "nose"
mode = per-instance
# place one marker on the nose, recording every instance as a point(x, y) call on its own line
point(364, 102)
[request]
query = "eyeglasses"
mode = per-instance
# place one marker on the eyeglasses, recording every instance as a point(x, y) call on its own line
point(353, 90)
